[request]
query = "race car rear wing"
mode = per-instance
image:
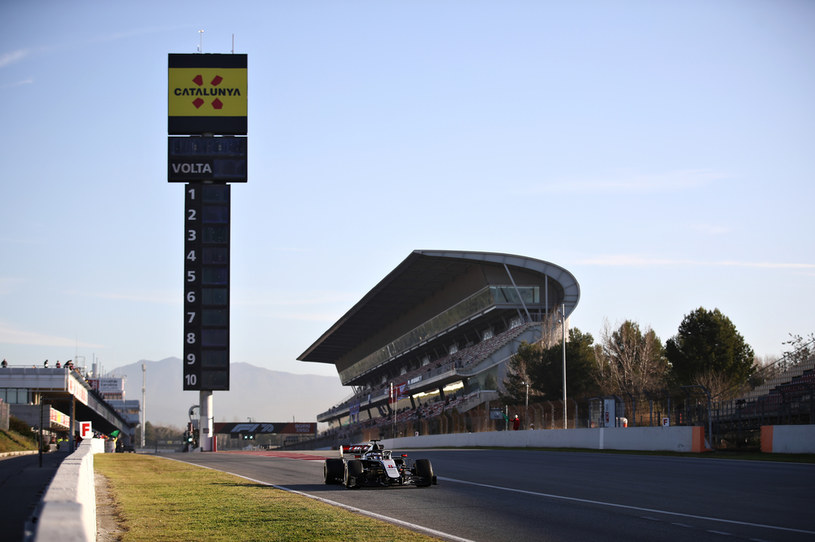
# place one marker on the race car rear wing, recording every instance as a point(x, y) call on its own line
point(355, 450)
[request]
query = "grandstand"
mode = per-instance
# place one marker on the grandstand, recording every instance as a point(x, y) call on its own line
point(437, 331)
point(788, 398)
point(803, 372)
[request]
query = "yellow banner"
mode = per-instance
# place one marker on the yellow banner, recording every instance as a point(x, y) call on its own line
point(207, 92)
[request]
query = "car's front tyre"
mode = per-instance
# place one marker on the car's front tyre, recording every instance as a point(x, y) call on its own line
point(424, 473)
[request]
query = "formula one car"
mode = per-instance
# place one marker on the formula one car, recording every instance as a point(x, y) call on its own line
point(371, 465)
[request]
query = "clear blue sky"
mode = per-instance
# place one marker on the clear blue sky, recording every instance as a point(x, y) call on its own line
point(663, 152)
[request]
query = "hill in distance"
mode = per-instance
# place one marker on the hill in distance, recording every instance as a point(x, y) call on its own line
point(254, 392)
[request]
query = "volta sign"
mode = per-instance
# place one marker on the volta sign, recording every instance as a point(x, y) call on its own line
point(196, 158)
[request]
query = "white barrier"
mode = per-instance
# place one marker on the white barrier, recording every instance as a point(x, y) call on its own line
point(665, 439)
point(788, 439)
point(68, 509)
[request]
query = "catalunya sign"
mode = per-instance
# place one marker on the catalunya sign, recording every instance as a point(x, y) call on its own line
point(207, 94)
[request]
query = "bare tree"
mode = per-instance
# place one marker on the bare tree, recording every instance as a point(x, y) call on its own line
point(630, 361)
point(551, 334)
point(517, 381)
point(802, 349)
point(720, 385)
point(764, 369)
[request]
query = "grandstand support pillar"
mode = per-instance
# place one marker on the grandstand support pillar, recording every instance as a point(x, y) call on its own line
point(74, 426)
point(412, 402)
point(520, 297)
point(546, 294)
point(441, 393)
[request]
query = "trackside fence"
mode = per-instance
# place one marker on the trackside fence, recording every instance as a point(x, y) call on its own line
point(727, 424)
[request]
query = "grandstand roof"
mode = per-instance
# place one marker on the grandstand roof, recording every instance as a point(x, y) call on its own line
point(421, 274)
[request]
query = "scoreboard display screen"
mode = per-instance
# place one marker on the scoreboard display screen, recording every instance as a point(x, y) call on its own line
point(206, 149)
point(199, 158)
point(206, 286)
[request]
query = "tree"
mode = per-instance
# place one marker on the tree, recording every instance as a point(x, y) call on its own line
point(764, 370)
point(547, 374)
point(159, 433)
point(529, 355)
point(629, 361)
point(803, 348)
point(708, 348)
point(517, 377)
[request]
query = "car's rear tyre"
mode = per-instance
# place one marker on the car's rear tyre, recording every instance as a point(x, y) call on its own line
point(424, 473)
point(333, 471)
point(352, 475)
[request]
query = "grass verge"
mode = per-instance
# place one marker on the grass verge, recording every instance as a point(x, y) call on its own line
point(158, 499)
point(11, 441)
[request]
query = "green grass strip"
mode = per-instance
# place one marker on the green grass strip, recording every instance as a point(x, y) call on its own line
point(158, 499)
point(14, 442)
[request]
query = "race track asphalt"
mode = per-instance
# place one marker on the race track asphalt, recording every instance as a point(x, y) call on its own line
point(23, 482)
point(496, 495)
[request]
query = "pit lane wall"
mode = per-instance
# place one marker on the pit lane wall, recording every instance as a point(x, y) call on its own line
point(68, 509)
point(788, 439)
point(662, 439)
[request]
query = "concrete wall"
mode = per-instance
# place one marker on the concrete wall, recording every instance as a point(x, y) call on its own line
point(4, 415)
point(68, 509)
point(788, 439)
point(668, 439)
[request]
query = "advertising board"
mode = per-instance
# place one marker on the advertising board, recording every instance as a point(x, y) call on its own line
point(293, 428)
point(207, 94)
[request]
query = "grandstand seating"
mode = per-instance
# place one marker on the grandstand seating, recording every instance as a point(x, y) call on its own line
point(789, 398)
point(785, 377)
point(430, 410)
point(462, 360)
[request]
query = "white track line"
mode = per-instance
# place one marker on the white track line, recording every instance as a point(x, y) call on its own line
point(628, 507)
point(411, 526)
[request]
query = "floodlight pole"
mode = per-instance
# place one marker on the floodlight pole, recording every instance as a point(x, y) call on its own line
point(526, 410)
point(527, 395)
point(563, 342)
point(142, 410)
point(392, 400)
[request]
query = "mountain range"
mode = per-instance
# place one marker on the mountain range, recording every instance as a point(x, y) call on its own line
point(254, 392)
